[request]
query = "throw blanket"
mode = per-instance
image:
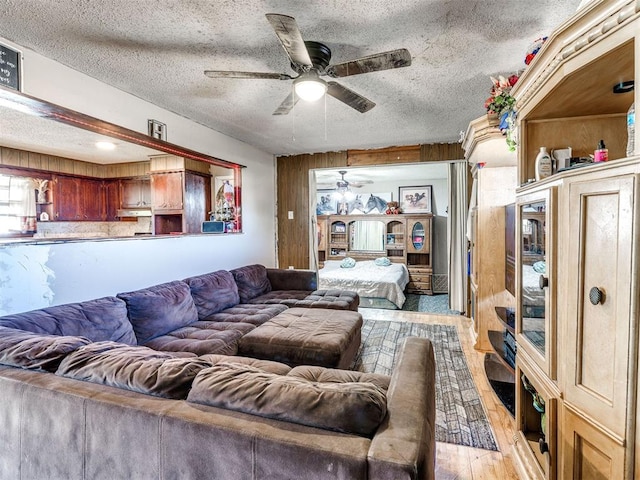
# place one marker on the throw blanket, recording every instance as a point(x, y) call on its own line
point(367, 279)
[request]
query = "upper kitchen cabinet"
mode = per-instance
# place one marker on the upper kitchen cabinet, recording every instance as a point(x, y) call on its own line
point(180, 197)
point(135, 193)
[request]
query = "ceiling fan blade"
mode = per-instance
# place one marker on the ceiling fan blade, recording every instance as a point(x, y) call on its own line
point(290, 37)
point(287, 104)
point(372, 63)
point(224, 74)
point(351, 98)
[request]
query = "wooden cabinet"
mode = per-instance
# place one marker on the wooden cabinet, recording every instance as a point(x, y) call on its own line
point(179, 201)
point(401, 238)
point(167, 191)
point(112, 199)
point(419, 248)
point(78, 199)
point(582, 351)
point(135, 193)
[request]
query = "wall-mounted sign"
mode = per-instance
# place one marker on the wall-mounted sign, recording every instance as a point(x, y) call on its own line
point(9, 67)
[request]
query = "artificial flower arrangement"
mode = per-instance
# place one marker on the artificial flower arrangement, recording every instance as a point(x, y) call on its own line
point(502, 103)
point(501, 100)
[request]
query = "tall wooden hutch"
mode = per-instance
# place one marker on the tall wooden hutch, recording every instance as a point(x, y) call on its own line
point(578, 253)
point(404, 238)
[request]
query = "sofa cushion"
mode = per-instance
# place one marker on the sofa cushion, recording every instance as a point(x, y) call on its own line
point(334, 375)
point(35, 351)
point(264, 365)
point(252, 281)
point(349, 407)
point(160, 309)
point(99, 319)
point(203, 338)
point(135, 368)
point(213, 292)
point(284, 297)
point(256, 314)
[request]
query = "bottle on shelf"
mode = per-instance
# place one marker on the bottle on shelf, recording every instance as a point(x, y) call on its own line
point(543, 164)
point(601, 154)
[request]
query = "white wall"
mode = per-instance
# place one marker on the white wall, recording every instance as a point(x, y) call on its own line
point(39, 275)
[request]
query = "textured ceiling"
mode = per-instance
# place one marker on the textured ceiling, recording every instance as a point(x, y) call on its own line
point(158, 50)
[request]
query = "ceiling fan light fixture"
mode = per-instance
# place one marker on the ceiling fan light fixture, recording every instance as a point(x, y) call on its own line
point(310, 87)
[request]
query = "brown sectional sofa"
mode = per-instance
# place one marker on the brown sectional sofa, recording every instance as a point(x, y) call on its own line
point(147, 385)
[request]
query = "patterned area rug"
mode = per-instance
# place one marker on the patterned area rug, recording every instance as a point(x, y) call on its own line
point(438, 304)
point(460, 416)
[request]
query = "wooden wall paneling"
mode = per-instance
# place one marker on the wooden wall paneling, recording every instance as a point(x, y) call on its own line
point(293, 195)
point(434, 152)
point(380, 156)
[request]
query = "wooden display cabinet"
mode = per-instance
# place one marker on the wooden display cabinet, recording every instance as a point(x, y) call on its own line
point(419, 248)
point(588, 366)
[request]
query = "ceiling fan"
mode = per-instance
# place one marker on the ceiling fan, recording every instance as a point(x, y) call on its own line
point(311, 60)
point(344, 184)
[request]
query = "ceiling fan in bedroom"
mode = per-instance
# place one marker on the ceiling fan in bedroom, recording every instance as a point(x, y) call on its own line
point(310, 61)
point(343, 186)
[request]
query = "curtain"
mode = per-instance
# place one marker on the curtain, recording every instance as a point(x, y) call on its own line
point(457, 237)
point(17, 204)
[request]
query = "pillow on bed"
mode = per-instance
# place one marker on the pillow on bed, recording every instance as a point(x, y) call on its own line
point(382, 262)
point(348, 262)
point(540, 267)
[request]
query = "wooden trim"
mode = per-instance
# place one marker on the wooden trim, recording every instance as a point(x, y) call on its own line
point(64, 115)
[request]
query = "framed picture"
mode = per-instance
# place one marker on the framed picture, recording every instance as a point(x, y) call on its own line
point(415, 199)
point(326, 204)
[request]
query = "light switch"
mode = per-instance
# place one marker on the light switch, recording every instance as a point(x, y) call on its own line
point(290, 214)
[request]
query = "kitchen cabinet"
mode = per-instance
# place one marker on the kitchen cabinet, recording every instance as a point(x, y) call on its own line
point(135, 193)
point(167, 191)
point(112, 199)
point(179, 201)
point(78, 199)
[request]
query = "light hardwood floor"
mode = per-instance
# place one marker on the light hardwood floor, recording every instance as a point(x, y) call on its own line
point(454, 461)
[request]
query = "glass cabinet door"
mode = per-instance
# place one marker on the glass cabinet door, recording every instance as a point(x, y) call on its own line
point(535, 326)
point(417, 236)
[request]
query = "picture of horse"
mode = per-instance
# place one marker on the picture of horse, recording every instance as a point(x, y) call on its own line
point(415, 199)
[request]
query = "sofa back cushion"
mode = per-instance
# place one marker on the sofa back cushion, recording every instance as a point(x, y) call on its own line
point(36, 351)
point(160, 309)
point(252, 281)
point(136, 368)
point(213, 292)
point(350, 407)
point(100, 319)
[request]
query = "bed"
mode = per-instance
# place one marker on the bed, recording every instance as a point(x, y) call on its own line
point(376, 285)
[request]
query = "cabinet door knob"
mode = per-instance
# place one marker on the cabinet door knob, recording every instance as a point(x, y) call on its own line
point(544, 281)
point(596, 296)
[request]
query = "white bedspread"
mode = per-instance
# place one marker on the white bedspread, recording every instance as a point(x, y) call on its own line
point(367, 279)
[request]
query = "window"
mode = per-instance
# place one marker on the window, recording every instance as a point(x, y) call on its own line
point(17, 205)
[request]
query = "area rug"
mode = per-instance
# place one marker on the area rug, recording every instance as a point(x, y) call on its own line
point(438, 304)
point(460, 416)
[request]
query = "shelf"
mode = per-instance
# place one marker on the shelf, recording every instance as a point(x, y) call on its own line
point(502, 381)
point(497, 342)
point(507, 320)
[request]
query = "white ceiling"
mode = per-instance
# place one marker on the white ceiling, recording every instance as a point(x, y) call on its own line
point(158, 50)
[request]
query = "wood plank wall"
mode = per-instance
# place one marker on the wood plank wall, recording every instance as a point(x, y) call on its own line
point(293, 187)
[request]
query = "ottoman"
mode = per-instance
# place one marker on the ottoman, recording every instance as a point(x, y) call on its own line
point(306, 336)
point(331, 299)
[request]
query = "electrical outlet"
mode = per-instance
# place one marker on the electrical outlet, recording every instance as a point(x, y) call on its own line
point(290, 267)
point(290, 214)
